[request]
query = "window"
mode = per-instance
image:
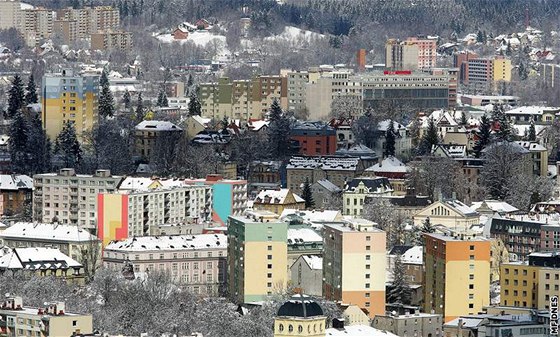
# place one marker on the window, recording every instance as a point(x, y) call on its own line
point(471, 247)
point(367, 285)
point(471, 277)
point(471, 286)
point(269, 257)
point(471, 306)
point(269, 266)
point(368, 247)
point(74, 323)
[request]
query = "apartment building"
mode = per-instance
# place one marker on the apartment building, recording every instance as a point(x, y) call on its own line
point(66, 29)
point(358, 190)
point(147, 134)
point(456, 275)
point(10, 14)
point(532, 283)
point(90, 20)
point(435, 89)
point(52, 320)
point(297, 88)
point(111, 40)
point(69, 239)
point(338, 170)
point(129, 213)
point(482, 71)
point(36, 24)
point(354, 264)
point(257, 258)
point(15, 193)
point(413, 53)
point(314, 138)
point(329, 85)
point(229, 196)
point(242, 99)
point(41, 261)
point(69, 198)
point(69, 97)
point(416, 324)
point(198, 261)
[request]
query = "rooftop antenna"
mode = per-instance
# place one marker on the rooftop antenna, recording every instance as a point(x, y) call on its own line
point(527, 21)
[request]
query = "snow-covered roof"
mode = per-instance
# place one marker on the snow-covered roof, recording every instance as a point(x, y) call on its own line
point(531, 146)
point(460, 207)
point(201, 120)
point(135, 183)
point(532, 110)
point(15, 182)
point(495, 205)
point(176, 242)
point(157, 126)
point(328, 185)
point(359, 331)
point(325, 163)
point(46, 231)
point(389, 164)
point(383, 125)
point(313, 216)
point(467, 322)
point(257, 125)
point(37, 258)
point(275, 197)
point(313, 261)
point(413, 255)
point(303, 235)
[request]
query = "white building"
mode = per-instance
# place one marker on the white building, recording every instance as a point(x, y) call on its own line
point(199, 261)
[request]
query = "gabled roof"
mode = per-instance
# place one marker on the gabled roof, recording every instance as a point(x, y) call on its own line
point(38, 258)
point(328, 186)
point(389, 164)
point(44, 231)
point(157, 126)
point(460, 207)
point(495, 205)
point(15, 182)
point(373, 185)
point(314, 262)
point(276, 197)
point(324, 163)
point(175, 242)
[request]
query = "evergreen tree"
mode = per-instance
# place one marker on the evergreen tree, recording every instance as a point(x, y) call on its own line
point(479, 37)
point(195, 108)
point(427, 226)
point(307, 195)
point(106, 100)
point(18, 143)
point(278, 132)
point(140, 113)
point(484, 134)
point(532, 136)
point(38, 146)
point(463, 118)
point(67, 146)
point(429, 139)
point(400, 291)
point(31, 91)
point(127, 100)
point(505, 130)
point(162, 99)
point(390, 140)
point(16, 95)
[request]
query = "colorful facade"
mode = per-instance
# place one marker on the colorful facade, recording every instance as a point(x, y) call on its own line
point(354, 264)
point(257, 258)
point(112, 217)
point(229, 196)
point(66, 97)
point(456, 275)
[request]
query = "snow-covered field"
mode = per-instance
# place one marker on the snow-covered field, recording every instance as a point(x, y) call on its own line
point(294, 34)
point(200, 38)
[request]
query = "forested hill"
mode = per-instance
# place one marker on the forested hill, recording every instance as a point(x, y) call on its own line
point(339, 17)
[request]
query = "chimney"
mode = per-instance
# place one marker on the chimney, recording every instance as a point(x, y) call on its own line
point(338, 323)
point(361, 60)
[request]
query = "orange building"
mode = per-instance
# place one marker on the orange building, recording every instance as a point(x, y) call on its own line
point(314, 138)
point(456, 275)
point(354, 262)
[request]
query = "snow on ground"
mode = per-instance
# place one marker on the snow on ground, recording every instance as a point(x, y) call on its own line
point(293, 34)
point(200, 38)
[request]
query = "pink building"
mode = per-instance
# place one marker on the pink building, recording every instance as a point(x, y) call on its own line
point(427, 51)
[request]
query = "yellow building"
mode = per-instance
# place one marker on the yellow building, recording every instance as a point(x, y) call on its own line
point(300, 316)
point(67, 97)
point(456, 275)
point(50, 321)
point(450, 213)
point(531, 284)
point(277, 201)
point(257, 258)
point(354, 264)
point(501, 69)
